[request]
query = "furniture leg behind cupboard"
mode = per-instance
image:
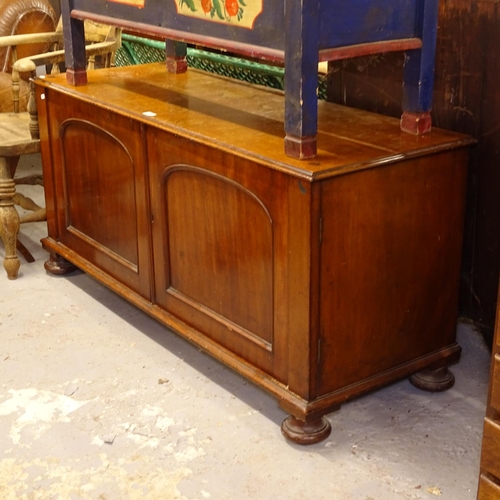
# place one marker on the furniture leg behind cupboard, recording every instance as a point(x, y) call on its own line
point(318, 280)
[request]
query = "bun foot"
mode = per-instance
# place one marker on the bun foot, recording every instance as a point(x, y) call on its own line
point(305, 432)
point(433, 380)
point(58, 265)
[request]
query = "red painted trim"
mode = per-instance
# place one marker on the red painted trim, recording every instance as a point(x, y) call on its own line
point(366, 49)
point(184, 36)
point(245, 49)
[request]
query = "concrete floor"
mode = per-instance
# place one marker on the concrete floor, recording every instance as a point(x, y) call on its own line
point(99, 401)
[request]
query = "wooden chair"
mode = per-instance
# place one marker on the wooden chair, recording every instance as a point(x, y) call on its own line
point(19, 129)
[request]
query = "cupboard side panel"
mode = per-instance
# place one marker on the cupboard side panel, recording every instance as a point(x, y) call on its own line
point(390, 264)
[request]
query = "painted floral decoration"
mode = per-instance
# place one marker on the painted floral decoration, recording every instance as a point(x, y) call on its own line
point(225, 10)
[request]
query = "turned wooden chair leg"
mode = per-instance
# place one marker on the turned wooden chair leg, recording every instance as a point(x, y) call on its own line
point(9, 219)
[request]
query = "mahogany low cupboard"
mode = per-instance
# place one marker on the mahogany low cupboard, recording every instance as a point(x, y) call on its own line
point(317, 280)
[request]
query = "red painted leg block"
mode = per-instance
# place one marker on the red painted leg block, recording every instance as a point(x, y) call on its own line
point(416, 123)
point(177, 64)
point(76, 77)
point(302, 148)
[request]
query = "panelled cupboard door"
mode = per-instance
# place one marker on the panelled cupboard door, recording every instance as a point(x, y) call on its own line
point(100, 190)
point(219, 238)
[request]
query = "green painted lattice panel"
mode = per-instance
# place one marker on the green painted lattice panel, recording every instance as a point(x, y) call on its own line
point(137, 50)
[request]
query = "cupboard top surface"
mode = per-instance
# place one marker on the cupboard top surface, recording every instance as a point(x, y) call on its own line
point(247, 120)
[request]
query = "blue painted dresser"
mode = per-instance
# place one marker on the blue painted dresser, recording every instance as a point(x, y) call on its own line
point(299, 34)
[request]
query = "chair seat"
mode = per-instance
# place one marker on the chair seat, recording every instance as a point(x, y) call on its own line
point(15, 137)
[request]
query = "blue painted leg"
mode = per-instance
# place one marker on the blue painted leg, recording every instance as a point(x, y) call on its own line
point(74, 43)
point(418, 79)
point(301, 78)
